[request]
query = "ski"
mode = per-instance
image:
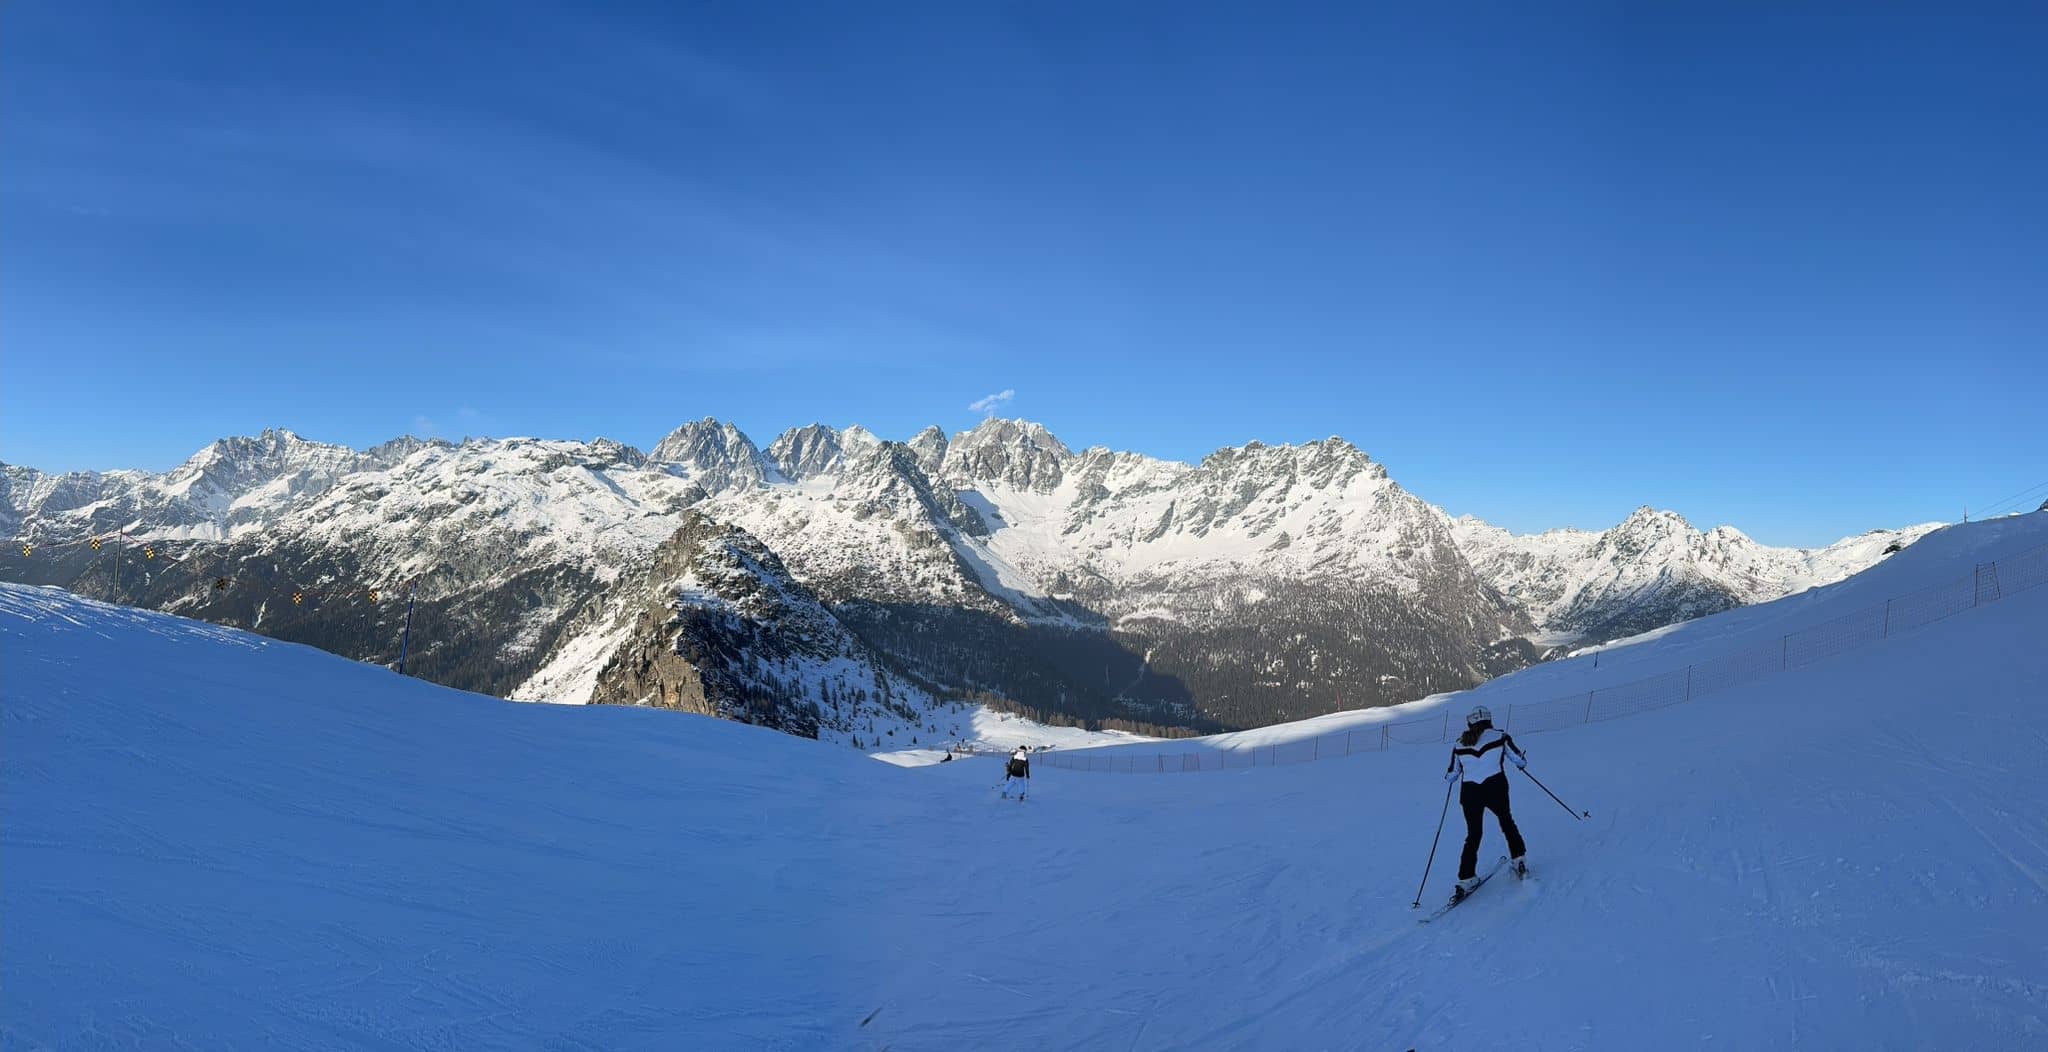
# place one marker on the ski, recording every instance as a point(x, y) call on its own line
point(1453, 904)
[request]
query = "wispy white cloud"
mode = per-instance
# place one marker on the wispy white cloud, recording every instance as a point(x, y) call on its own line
point(989, 404)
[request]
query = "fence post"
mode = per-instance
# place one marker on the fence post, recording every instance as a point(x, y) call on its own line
point(1589, 708)
point(1785, 651)
point(1688, 682)
point(1446, 735)
point(1887, 619)
point(1162, 763)
point(1347, 742)
point(1385, 738)
point(1315, 748)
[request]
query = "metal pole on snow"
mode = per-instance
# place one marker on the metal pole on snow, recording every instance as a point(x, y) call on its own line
point(1581, 815)
point(1432, 845)
point(405, 643)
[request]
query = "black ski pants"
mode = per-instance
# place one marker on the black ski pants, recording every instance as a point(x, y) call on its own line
point(1477, 798)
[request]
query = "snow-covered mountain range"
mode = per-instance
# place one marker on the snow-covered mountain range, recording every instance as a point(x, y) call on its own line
point(1263, 583)
point(1653, 569)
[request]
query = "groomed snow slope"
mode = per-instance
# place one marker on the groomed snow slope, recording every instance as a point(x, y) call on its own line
point(987, 730)
point(213, 841)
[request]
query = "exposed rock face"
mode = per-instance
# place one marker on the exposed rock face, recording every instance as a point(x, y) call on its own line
point(807, 453)
point(717, 626)
point(716, 456)
point(930, 447)
point(1013, 453)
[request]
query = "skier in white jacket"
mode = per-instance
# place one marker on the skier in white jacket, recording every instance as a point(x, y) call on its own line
point(1019, 766)
point(1480, 761)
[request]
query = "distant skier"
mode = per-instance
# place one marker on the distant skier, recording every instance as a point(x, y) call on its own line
point(1018, 767)
point(1480, 759)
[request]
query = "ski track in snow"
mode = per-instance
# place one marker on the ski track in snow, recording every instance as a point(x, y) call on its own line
point(213, 841)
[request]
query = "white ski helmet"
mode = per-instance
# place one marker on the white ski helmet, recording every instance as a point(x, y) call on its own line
point(1477, 716)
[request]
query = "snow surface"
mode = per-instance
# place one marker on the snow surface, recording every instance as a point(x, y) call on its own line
point(989, 731)
point(212, 840)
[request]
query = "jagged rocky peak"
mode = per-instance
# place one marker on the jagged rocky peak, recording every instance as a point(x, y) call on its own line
point(233, 466)
point(1324, 464)
point(1727, 536)
point(717, 456)
point(599, 454)
point(1017, 453)
point(1334, 461)
point(888, 478)
point(1647, 528)
point(1659, 519)
point(856, 439)
point(31, 496)
point(273, 441)
point(930, 447)
point(274, 449)
point(810, 451)
point(390, 454)
point(1100, 473)
point(613, 453)
point(716, 563)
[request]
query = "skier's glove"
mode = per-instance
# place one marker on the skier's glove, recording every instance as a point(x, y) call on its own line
point(1521, 761)
point(1451, 775)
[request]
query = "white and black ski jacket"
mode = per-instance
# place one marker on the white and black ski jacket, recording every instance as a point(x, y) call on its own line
point(1486, 757)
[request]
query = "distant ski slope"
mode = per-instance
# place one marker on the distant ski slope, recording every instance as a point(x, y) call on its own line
point(210, 841)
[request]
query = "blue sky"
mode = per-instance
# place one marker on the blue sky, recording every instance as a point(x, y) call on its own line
point(1778, 269)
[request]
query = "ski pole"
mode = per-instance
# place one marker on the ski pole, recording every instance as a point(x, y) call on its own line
point(1567, 807)
point(1432, 846)
point(405, 644)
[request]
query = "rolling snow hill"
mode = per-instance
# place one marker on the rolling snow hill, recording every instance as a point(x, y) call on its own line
point(215, 840)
